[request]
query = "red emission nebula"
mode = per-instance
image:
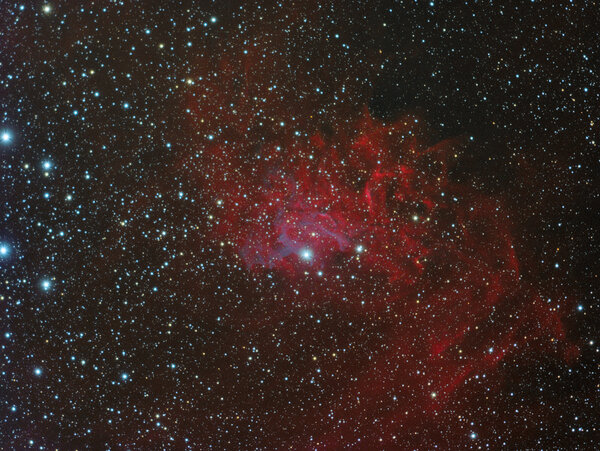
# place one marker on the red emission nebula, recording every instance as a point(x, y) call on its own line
point(360, 218)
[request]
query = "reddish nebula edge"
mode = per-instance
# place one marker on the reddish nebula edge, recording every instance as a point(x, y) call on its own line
point(365, 217)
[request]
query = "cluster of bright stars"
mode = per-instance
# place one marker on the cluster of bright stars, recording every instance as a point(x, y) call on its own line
point(6, 137)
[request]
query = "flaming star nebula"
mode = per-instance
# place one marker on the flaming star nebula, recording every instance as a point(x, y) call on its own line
point(310, 225)
point(367, 220)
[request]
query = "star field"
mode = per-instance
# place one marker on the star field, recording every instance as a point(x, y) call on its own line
point(301, 225)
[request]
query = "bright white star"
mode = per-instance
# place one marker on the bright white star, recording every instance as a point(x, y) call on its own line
point(306, 254)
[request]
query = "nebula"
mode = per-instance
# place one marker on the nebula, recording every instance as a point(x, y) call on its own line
point(306, 225)
point(359, 216)
point(368, 218)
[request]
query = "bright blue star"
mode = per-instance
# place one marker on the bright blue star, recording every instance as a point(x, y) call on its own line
point(306, 254)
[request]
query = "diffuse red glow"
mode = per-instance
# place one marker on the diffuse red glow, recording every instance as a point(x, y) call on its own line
point(366, 217)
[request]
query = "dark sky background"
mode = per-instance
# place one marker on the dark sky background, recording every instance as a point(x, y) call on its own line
point(134, 170)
